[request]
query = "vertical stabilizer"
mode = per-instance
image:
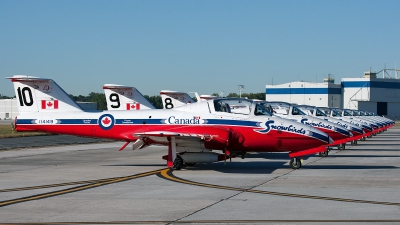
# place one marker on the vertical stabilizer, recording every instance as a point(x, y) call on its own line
point(172, 99)
point(36, 94)
point(121, 97)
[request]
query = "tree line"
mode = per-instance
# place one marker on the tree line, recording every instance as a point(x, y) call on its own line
point(100, 98)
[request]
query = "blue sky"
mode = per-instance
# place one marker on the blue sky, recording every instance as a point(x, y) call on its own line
point(203, 46)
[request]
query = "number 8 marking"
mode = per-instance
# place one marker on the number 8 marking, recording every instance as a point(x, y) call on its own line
point(168, 103)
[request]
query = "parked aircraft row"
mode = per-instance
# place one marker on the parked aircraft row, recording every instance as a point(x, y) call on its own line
point(210, 130)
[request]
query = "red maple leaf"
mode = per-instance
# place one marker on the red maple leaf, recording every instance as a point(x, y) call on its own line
point(106, 121)
point(49, 104)
point(132, 106)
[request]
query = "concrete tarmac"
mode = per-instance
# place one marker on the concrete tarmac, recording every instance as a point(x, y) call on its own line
point(46, 140)
point(97, 184)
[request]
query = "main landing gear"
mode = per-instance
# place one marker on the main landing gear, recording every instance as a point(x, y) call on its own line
point(363, 139)
point(295, 163)
point(342, 146)
point(324, 154)
point(354, 143)
point(178, 163)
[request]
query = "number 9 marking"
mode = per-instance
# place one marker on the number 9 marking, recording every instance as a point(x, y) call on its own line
point(115, 98)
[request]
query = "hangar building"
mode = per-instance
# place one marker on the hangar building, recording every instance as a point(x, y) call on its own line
point(370, 93)
point(379, 95)
point(326, 94)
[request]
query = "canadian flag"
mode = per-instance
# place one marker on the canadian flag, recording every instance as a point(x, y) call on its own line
point(132, 106)
point(53, 104)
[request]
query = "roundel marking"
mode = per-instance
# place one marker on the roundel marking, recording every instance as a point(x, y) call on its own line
point(106, 121)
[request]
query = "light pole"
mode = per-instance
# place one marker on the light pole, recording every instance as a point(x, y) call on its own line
point(240, 87)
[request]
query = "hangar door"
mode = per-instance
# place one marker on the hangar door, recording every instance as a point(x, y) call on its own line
point(381, 108)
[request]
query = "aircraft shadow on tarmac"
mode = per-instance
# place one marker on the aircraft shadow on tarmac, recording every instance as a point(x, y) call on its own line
point(377, 144)
point(379, 141)
point(270, 155)
point(269, 162)
point(259, 167)
point(372, 149)
point(268, 167)
point(347, 167)
point(363, 156)
point(141, 165)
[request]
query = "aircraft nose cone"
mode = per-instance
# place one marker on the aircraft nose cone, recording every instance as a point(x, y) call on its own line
point(317, 134)
point(344, 132)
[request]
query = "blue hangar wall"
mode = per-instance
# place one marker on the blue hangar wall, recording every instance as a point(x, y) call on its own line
point(378, 95)
point(306, 93)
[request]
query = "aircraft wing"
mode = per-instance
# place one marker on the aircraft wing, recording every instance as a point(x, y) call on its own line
point(188, 137)
point(169, 134)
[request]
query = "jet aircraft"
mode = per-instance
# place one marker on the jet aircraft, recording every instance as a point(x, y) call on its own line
point(193, 130)
point(313, 111)
point(339, 134)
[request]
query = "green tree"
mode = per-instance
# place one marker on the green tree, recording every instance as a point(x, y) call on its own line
point(99, 98)
point(155, 100)
point(5, 97)
point(232, 95)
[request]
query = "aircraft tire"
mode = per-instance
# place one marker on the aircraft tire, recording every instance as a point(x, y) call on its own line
point(178, 163)
point(342, 147)
point(354, 143)
point(295, 163)
point(363, 139)
point(324, 154)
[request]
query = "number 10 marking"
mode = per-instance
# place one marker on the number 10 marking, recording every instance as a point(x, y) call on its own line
point(22, 96)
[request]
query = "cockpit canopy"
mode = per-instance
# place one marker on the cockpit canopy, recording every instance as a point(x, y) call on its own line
point(240, 106)
point(348, 112)
point(284, 107)
point(311, 109)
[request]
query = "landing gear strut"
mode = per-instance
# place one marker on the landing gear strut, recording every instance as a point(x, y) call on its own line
point(295, 163)
point(354, 143)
